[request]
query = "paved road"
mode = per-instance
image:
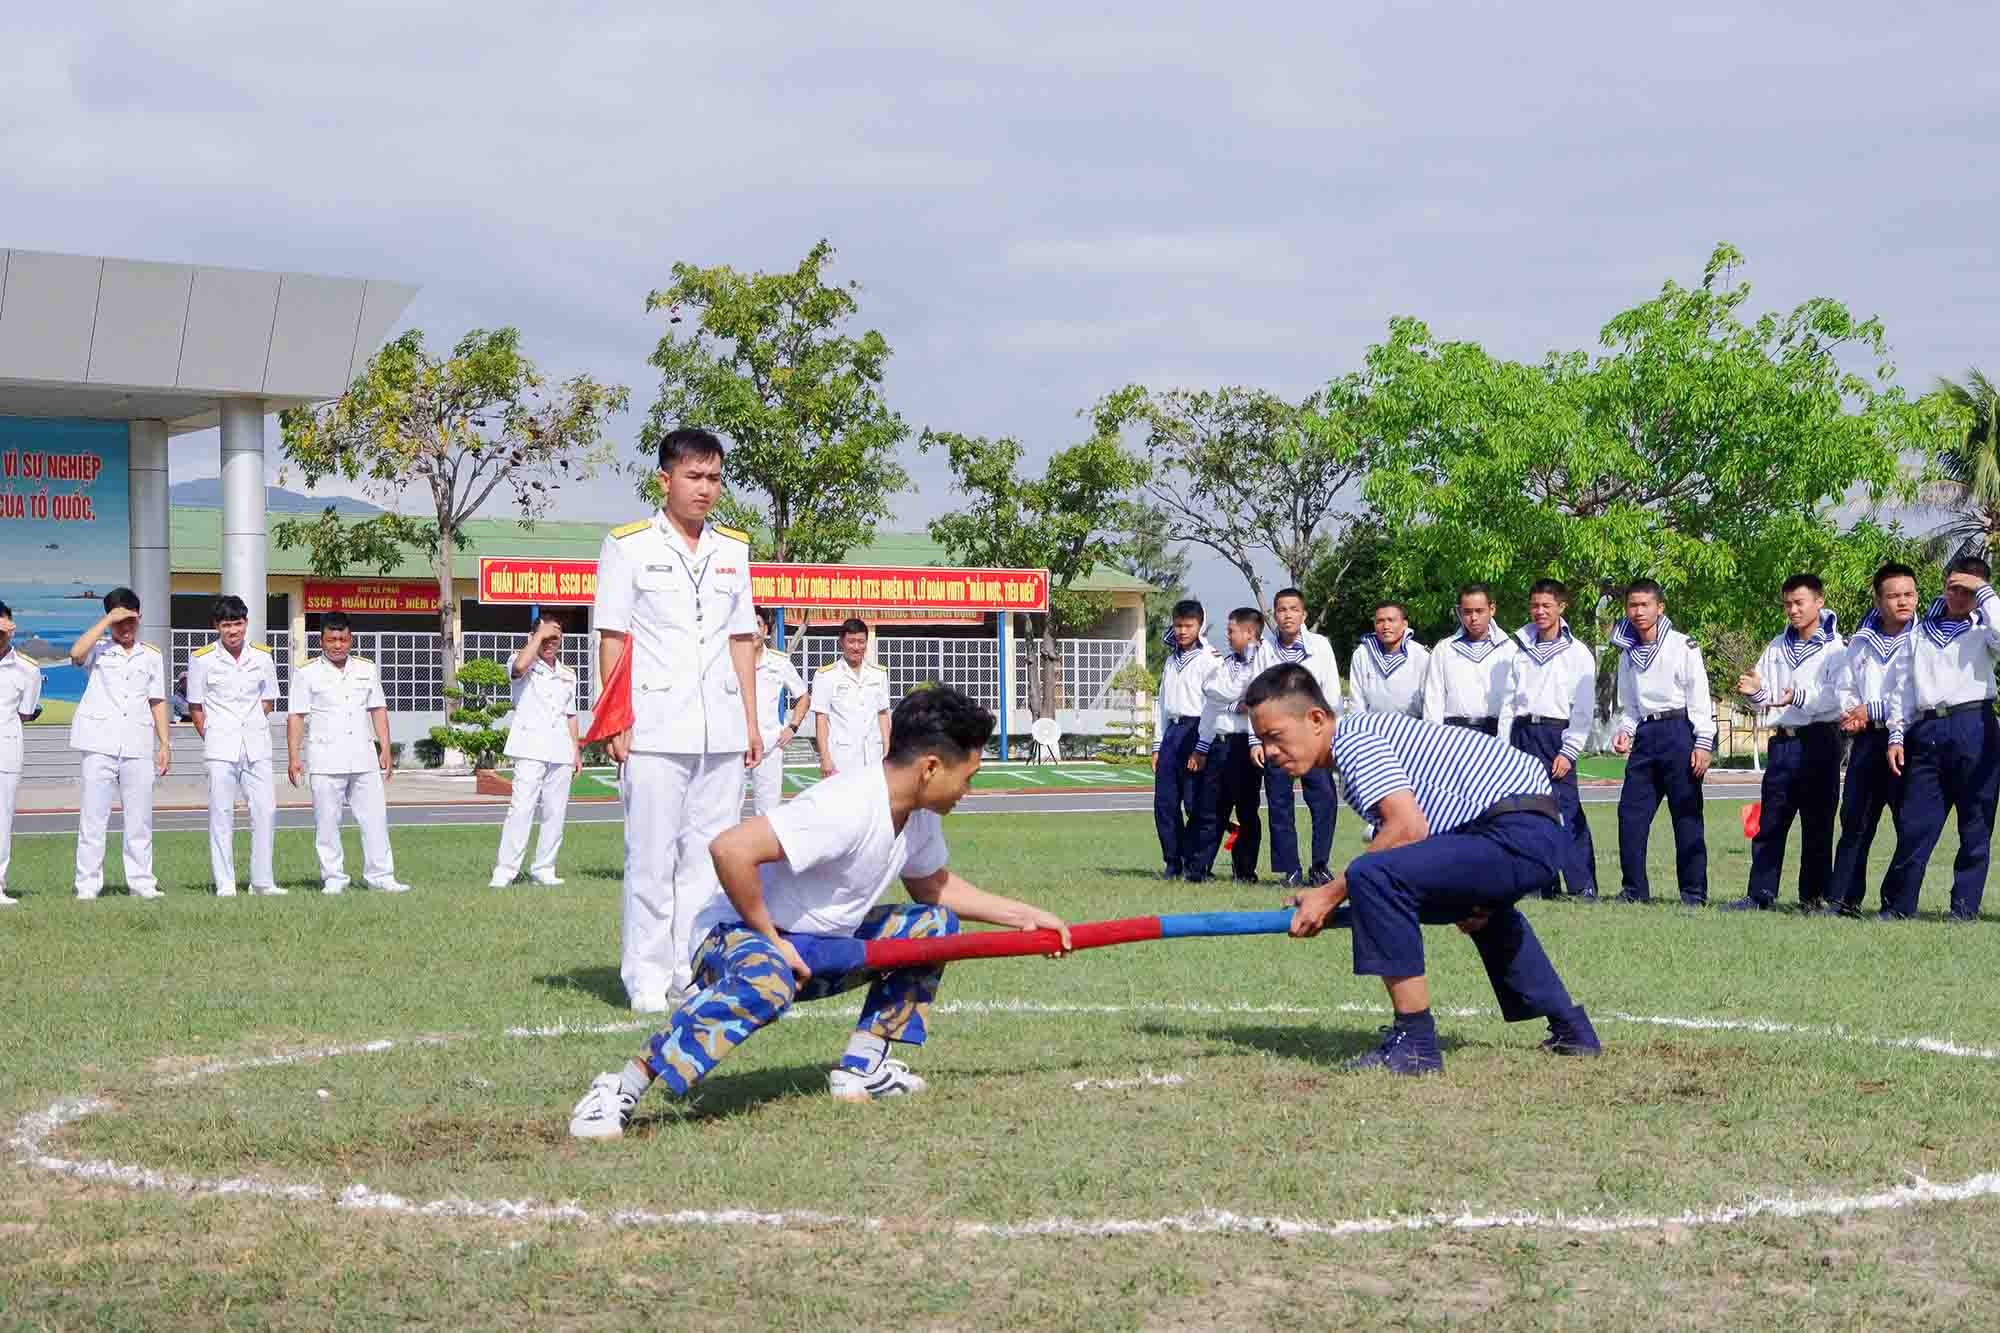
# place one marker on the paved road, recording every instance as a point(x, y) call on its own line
point(606, 812)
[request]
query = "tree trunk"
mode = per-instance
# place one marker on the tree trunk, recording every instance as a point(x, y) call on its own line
point(447, 609)
point(1052, 673)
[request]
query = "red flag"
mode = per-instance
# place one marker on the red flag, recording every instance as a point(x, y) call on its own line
point(1229, 843)
point(613, 712)
point(1753, 818)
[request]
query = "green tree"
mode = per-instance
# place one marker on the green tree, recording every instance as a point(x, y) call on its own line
point(460, 427)
point(1966, 484)
point(768, 365)
point(1707, 449)
point(1146, 554)
point(1242, 472)
point(1065, 521)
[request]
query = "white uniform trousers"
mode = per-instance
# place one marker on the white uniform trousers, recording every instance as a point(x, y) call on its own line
point(251, 780)
point(363, 794)
point(131, 781)
point(10, 788)
point(538, 785)
point(675, 805)
point(848, 754)
point(767, 780)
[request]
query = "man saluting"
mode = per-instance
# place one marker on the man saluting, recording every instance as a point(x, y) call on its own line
point(1440, 800)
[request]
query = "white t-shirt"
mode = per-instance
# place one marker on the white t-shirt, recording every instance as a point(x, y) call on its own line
point(841, 855)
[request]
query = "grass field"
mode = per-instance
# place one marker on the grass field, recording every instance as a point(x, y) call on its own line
point(949, 1210)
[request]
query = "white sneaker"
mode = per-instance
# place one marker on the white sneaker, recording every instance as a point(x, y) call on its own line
point(147, 893)
point(892, 1078)
point(5, 901)
point(500, 881)
point(87, 895)
point(604, 1111)
point(268, 891)
point(334, 886)
point(647, 1004)
point(547, 881)
point(226, 891)
point(390, 886)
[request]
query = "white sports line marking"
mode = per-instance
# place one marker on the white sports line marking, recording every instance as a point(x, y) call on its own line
point(33, 1130)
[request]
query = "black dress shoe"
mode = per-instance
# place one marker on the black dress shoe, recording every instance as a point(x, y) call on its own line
point(1587, 897)
point(1170, 872)
point(1292, 880)
point(1199, 877)
point(1746, 905)
point(1319, 875)
point(1631, 899)
point(1244, 877)
point(1812, 905)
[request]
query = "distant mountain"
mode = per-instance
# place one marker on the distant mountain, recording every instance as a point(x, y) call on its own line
point(206, 493)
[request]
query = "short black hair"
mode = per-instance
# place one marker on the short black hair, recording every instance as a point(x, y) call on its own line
point(1969, 564)
point(765, 614)
point(121, 599)
point(1893, 570)
point(1289, 681)
point(1466, 590)
point(548, 617)
point(1646, 588)
point(1810, 582)
point(335, 620)
point(1247, 615)
point(1553, 587)
point(939, 720)
point(853, 625)
point(227, 607)
point(1400, 609)
point(1188, 609)
point(689, 442)
point(6, 610)
point(1283, 593)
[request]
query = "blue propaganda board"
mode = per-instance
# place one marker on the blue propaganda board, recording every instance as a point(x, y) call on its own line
point(65, 539)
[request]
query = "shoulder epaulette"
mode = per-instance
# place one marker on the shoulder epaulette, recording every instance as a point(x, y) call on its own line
point(627, 529)
point(357, 657)
point(29, 660)
point(828, 666)
point(204, 650)
point(734, 534)
point(313, 661)
point(264, 648)
point(153, 646)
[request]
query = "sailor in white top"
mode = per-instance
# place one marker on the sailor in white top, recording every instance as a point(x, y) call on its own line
point(1801, 706)
point(1288, 640)
point(1177, 784)
point(20, 701)
point(1386, 673)
point(1666, 725)
point(337, 728)
point(1550, 700)
point(1229, 758)
point(674, 591)
point(802, 890)
point(777, 681)
point(121, 728)
point(232, 688)
point(1949, 753)
point(1466, 682)
point(542, 742)
point(1873, 678)
point(850, 704)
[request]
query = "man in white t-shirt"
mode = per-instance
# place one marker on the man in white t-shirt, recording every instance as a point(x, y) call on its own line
point(806, 880)
point(543, 744)
point(776, 676)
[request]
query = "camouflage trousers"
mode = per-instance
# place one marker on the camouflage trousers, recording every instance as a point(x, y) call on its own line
point(744, 984)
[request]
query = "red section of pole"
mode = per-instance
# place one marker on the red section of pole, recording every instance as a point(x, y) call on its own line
point(886, 954)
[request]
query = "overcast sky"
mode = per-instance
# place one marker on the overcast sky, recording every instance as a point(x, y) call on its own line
point(1041, 203)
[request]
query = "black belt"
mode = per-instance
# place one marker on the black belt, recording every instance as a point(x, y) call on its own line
point(1522, 805)
point(1174, 720)
point(1538, 721)
point(1668, 715)
point(1476, 723)
point(1797, 733)
point(1952, 710)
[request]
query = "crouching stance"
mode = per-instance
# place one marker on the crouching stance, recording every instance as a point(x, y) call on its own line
point(805, 879)
point(1462, 822)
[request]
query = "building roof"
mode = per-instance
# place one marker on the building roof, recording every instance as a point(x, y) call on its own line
point(128, 340)
point(196, 537)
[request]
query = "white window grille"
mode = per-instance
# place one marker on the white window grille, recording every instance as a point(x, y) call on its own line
point(1087, 668)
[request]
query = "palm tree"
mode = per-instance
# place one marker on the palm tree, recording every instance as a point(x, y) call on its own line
point(1969, 485)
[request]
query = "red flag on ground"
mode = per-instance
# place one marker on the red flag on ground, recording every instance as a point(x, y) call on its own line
point(1753, 818)
point(613, 711)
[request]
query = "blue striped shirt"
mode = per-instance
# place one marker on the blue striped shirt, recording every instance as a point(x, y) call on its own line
point(1455, 773)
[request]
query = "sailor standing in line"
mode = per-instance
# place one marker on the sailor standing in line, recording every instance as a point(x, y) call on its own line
point(776, 678)
point(1386, 673)
point(850, 696)
point(1289, 641)
point(338, 713)
point(546, 751)
point(1550, 701)
point(1466, 683)
point(20, 701)
point(1666, 724)
point(232, 686)
point(121, 727)
point(1873, 678)
point(1177, 783)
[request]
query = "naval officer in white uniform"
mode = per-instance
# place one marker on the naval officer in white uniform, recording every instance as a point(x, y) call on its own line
point(674, 590)
point(546, 751)
point(337, 709)
point(232, 686)
point(850, 697)
point(121, 728)
point(776, 677)
point(20, 701)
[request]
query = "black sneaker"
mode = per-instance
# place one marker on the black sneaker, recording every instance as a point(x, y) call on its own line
point(1170, 872)
point(1199, 877)
point(1812, 906)
point(1746, 905)
point(1631, 899)
point(1319, 875)
point(1292, 880)
point(1572, 1035)
point(1397, 1054)
point(1244, 877)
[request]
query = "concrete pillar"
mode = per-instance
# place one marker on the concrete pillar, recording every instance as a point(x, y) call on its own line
point(243, 556)
point(152, 560)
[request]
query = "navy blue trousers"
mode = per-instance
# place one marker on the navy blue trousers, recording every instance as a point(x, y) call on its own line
point(1231, 788)
point(1951, 763)
point(1657, 770)
point(1321, 804)
point(1870, 789)
point(1802, 782)
point(1486, 866)
point(1544, 741)
point(1177, 803)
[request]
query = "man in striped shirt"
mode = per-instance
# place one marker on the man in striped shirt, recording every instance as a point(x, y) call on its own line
point(1463, 824)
